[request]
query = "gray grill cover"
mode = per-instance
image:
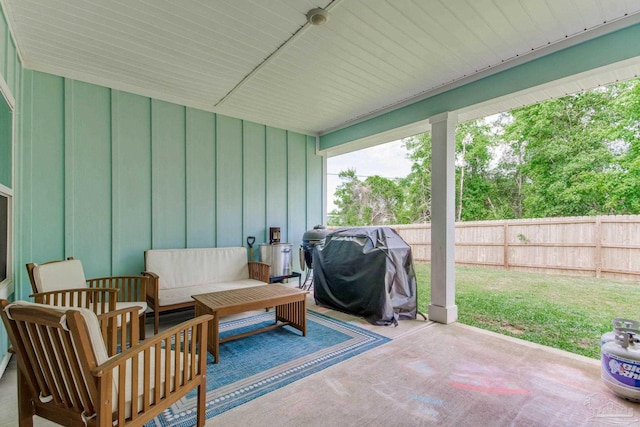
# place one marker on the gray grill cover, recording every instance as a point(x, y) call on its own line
point(366, 271)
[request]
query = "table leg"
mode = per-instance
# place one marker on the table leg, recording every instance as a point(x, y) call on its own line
point(214, 336)
point(295, 314)
point(303, 315)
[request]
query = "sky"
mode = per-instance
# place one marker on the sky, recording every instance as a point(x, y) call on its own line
point(387, 160)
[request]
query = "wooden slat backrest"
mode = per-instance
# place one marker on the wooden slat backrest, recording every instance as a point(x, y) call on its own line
point(47, 357)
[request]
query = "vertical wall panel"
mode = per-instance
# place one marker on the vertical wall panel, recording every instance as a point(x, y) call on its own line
point(277, 180)
point(131, 171)
point(315, 173)
point(201, 173)
point(11, 58)
point(296, 186)
point(4, 40)
point(18, 79)
point(168, 175)
point(88, 176)
point(6, 145)
point(253, 192)
point(43, 171)
point(229, 181)
point(23, 236)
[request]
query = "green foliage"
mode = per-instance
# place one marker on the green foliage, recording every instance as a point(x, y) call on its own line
point(374, 201)
point(577, 155)
point(473, 184)
point(568, 161)
point(417, 184)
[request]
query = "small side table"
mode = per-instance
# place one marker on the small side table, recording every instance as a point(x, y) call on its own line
point(280, 279)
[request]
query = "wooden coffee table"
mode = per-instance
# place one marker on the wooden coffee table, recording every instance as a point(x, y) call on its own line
point(290, 304)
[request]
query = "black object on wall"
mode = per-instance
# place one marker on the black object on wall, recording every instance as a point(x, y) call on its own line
point(368, 272)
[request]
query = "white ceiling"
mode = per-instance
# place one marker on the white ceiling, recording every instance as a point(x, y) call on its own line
point(258, 59)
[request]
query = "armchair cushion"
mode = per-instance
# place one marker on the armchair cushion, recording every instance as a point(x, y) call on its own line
point(126, 304)
point(60, 275)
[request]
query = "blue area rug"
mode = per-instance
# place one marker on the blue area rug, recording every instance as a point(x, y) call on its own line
point(253, 366)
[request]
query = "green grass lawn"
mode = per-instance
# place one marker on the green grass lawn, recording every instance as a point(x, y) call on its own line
point(569, 313)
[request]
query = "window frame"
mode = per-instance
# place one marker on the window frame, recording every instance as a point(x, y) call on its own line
point(7, 286)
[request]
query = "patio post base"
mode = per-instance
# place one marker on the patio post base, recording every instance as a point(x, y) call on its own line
point(444, 315)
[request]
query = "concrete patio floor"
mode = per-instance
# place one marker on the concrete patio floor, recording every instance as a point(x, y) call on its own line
point(429, 374)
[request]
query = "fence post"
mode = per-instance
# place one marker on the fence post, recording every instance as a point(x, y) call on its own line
point(597, 256)
point(505, 238)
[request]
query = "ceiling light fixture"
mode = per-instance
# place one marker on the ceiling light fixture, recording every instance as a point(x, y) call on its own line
point(317, 16)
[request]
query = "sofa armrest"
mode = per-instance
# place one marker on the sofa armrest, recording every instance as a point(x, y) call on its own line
point(152, 284)
point(153, 297)
point(259, 271)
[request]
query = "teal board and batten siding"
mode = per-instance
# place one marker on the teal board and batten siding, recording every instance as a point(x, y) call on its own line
point(108, 174)
point(6, 147)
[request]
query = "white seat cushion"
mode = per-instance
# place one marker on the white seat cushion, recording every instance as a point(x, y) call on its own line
point(141, 378)
point(181, 295)
point(127, 304)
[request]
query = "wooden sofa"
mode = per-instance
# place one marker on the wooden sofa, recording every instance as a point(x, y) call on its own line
point(176, 274)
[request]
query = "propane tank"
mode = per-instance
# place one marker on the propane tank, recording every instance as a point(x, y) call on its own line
point(621, 364)
point(618, 322)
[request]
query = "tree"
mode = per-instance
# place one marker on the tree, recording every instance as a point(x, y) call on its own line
point(506, 176)
point(473, 156)
point(623, 189)
point(567, 156)
point(474, 140)
point(417, 184)
point(374, 201)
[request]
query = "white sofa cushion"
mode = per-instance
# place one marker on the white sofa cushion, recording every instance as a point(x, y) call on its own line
point(180, 295)
point(178, 268)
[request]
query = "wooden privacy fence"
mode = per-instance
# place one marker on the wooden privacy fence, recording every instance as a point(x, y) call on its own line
point(602, 246)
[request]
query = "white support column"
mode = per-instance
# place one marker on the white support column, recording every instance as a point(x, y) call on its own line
point(443, 288)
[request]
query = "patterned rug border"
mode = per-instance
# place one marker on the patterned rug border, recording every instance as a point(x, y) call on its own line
point(221, 399)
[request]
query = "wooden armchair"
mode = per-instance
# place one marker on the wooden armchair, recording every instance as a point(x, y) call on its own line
point(60, 281)
point(66, 375)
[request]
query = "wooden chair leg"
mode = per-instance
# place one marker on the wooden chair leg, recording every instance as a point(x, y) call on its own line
point(143, 326)
point(25, 406)
point(202, 409)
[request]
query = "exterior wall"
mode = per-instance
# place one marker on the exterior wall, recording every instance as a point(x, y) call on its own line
point(107, 174)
